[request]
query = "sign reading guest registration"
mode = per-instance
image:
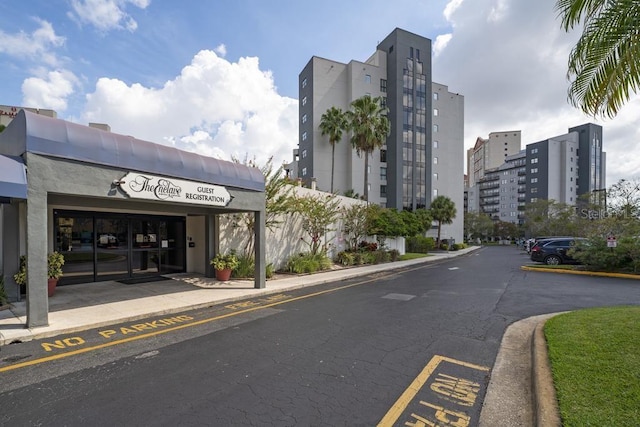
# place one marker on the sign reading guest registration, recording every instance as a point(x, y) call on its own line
point(144, 186)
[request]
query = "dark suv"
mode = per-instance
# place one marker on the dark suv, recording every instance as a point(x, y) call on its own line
point(553, 251)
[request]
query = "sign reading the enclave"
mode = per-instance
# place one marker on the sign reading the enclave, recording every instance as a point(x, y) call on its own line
point(150, 187)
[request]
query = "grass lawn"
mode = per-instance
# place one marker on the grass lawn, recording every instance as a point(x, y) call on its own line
point(595, 361)
point(412, 255)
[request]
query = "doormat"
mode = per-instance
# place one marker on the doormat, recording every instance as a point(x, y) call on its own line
point(138, 280)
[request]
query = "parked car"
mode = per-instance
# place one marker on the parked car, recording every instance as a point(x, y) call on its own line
point(553, 251)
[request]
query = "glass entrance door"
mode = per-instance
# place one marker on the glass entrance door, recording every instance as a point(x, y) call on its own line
point(109, 246)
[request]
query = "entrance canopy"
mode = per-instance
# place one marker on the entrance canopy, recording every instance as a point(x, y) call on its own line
point(13, 178)
point(29, 132)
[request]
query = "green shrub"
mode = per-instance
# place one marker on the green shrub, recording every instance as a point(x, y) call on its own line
point(394, 254)
point(368, 246)
point(420, 244)
point(308, 263)
point(458, 246)
point(380, 257)
point(345, 258)
point(444, 246)
point(246, 268)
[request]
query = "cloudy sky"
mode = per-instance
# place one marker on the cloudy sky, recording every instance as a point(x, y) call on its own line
point(220, 77)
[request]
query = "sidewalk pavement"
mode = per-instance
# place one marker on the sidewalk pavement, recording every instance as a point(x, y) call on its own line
point(87, 306)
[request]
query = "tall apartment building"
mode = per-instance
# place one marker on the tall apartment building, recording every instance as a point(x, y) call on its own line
point(491, 153)
point(502, 190)
point(561, 168)
point(422, 157)
point(565, 167)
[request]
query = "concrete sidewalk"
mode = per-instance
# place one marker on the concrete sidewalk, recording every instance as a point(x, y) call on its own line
point(509, 400)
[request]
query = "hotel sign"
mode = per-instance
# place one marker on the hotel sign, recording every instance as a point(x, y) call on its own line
point(144, 186)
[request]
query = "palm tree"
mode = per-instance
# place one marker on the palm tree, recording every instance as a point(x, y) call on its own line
point(442, 210)
point(332, 123)
point(369, 128)
point(604, 63)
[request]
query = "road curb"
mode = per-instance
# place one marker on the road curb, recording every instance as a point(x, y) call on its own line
point(583, 273)
point(545, 411)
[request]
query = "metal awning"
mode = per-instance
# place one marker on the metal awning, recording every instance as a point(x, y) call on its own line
point(13, 178)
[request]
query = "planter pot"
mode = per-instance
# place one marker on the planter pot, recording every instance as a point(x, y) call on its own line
point(51, 286)
point(223, 275)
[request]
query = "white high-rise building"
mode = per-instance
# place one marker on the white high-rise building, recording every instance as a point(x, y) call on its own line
point(423, 156)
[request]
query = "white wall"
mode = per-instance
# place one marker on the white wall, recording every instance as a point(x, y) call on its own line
point(286, 239)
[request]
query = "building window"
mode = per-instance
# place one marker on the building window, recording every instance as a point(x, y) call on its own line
point(435, 96)
point(304, 83)
point(304, 135)
point(304, 171)
point(383, 102)
point(383, 156)
point(534, 199)
point(534, 180)
point(534, 151)
point(534, 170)
point(304, 153)
point(534, 160)
point(304, 118)
point(383, 174)
point(534, 190)
point(304, 101)
point(435, 112)
point(410, 52)
point(435, 128)
point(435, 160)
point(383, 190)
point(435, 144)
point(367, 78)
point(383, 85)
point(435, 192)
point(435, 176)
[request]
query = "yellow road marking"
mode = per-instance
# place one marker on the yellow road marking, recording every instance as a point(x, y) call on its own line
point(405, 398)
point(186, 325)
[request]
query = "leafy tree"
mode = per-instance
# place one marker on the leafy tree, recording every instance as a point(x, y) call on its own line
point(424, 218)
point(369, 128)
point(477, 225)
point(443, 210)
point(318, 213)
point(386, 222)
point(278, 202)
point(624, 198)
point(355, 222)
point(551, 218)
point(332, 123)
point(604, 63)
point(504, 230)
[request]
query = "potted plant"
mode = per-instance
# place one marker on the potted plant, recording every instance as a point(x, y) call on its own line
point(224, 265)
point(55, 261)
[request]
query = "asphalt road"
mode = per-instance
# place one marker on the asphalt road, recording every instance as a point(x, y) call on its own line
point(410, 346)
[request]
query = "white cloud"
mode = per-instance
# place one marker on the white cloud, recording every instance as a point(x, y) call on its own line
point(509, 60)
point(214, 107)
point(221, 50)
point(38, 45)
point(450, 8)
point(49, 90)
point(441, 43)
point(106, 14)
